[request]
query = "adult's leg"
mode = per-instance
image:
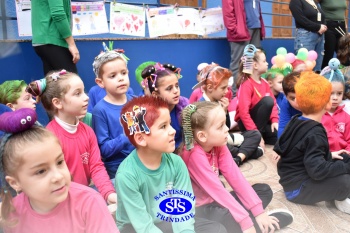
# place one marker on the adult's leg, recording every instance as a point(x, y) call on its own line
point(55, 58)
point(237, 49)
point(330, 42)
point(334, 188)
point(255, 37)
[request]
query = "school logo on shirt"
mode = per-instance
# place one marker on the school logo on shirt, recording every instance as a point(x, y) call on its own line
point(85, 158)
point(340, 127)
point(175, 205)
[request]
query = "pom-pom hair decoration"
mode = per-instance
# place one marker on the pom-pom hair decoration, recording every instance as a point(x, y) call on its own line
point(247, 59)
point(332, 68)
point(17, 121)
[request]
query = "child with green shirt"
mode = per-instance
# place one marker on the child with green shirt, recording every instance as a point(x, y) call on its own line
point(153, 184)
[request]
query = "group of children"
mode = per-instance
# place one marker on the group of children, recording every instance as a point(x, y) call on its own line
point(162, 154)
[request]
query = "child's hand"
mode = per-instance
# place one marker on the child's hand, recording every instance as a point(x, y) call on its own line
point(275, 156)
point(250, 230)
point(336, 154)
point(267, 223)
point(224, 103)
point(112, 198)
point(274, 126)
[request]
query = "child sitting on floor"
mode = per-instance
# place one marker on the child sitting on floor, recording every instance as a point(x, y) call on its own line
point(206, 155)
point(152, 176)
point(13, 94)
point(307, 173)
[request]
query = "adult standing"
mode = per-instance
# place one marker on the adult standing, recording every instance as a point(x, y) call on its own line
point(310, 27)
point(334, 12)
point(244, 23)
point(52, 35)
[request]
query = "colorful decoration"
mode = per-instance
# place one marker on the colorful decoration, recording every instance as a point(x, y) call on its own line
point(283, 59)
point(136, 121)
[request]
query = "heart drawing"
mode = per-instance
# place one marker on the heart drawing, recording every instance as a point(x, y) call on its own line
point(134, 17)
point(118, 21)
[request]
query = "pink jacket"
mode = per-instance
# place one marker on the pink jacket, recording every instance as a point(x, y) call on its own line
point(207, 187)
point(235, 21)
point(338, 129)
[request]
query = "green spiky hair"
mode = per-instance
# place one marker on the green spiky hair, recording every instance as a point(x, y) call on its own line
point(271, 73)
point(11, 90)
point(140, 68)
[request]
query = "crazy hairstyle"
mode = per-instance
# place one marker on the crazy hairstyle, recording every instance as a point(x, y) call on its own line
point(11, 90)
point(195, 117)
point(273, 72)
point(213, 74)
point(297, 62)
point(54, 85)
point(332, 72)
point(289, 82)
point(245, 70)
point(152, 105)
point(152, 73)
point(312, 92)
point(21, 130)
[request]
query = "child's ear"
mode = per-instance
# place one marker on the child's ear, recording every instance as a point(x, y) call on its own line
point(201, 136)
point(57, 103)
point(270, 82)
point(139, 139)
point(11, 106)
point(13, 183)
point(99, 82)
point(154, 93)
point(209, 87)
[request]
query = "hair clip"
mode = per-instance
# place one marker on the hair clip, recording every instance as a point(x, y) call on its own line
point(56, 75)
point(247, 59)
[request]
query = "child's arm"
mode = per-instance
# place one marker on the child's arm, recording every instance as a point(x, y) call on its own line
point(183, 182)
point(109, 146)
point(130, 197)
point(316, 158)
point(347, 131)
point(98, 171)
point(245, 95)
point(203, 175)
point(239, 184)
point(285, 116)
point(96, 216)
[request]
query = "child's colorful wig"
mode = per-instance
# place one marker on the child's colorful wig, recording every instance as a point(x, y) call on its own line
point(273, 72)
point(289, 82)
point(153, 73)
point(151, 104)
point(11, 90)
point(312, 92)
point(213, 74)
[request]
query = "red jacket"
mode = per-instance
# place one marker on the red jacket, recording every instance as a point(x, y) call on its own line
point(235, 21)
point(338, 129)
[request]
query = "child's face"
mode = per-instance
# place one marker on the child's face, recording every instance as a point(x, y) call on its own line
point(43, 175)
point(162, 136)
point(300, 68)
point(115, 77)
point(25, 100)
point(276, 84)
point(261, 65)
point(75, 101)
point(169, 89)
point(216, 131)
point(219, 92)
point(291, 99)
point(336, 95)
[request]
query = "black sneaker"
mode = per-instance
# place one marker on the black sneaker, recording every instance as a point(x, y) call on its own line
point(285, 217)
point(238, 160)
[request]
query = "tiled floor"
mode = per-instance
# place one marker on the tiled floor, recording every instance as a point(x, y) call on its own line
point(320, 218)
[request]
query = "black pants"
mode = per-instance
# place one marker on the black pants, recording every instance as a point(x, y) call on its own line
point(334, 188)
point(55, 58)
point(201, 225)
point(331, 39)
point(217, 213)
point(249, 146)
point(260, 114)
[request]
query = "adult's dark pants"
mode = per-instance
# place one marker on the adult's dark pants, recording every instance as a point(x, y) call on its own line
point(331, 39)
point(260, 114)
point(217, 213)
point(55, 57)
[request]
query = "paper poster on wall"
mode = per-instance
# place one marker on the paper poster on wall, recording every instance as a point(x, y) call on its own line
point(212, 20)
point(127, 20)
point(23, 12)
point(89, 18)
point(162, 21)
point(190, 21)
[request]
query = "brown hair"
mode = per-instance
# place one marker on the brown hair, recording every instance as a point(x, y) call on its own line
point(343, 52)
point(289, 82)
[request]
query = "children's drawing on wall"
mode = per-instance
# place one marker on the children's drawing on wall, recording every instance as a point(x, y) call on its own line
point(190, 21)
point(212, 20)
point(89, 18)
point(162, 21)
point(23, 12)
point(127, 20)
